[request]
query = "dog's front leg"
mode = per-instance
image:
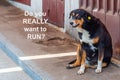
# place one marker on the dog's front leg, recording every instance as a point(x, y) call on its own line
point(82, 67)
point(78, 58)
point(100, 60)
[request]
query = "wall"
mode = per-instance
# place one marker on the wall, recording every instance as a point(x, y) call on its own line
point(36, 5)
point(55, 11)
point(69, 6)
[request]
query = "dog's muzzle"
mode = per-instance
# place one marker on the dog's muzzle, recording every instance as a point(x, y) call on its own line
point(74, 26)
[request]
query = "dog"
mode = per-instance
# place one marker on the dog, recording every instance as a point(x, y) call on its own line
point(95, 48)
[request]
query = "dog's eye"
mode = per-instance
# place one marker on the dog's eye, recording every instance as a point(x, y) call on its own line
point(78, 17)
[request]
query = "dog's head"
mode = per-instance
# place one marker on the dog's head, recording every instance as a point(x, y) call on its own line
point(79, 17)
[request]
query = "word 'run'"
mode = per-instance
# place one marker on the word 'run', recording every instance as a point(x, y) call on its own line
point(36, 36)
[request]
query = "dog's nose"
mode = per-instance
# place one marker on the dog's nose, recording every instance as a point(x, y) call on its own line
point(71, 23)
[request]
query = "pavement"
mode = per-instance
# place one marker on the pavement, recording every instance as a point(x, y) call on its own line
point(10, 70)
point(42, 59)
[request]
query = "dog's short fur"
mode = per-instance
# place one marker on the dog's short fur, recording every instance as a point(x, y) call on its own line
point(95, 48)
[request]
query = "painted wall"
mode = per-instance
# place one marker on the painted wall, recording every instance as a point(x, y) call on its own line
point(36, 5)
point(69, 6)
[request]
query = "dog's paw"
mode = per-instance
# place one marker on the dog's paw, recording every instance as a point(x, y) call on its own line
point(98, 70)
point(81, 71)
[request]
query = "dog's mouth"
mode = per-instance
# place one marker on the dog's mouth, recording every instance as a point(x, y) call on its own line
point(75, 25)
point(74, 22)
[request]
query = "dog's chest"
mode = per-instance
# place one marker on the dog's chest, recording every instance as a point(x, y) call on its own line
point(84, 36)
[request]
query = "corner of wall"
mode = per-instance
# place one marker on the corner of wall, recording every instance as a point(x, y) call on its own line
point(70, 5)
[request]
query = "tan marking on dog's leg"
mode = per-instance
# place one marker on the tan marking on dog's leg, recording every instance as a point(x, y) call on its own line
point(82, 67)
point(77, 62)
point(83, 58)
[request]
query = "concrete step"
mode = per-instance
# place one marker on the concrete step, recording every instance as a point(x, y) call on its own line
point(10, 70)
point(14, 53)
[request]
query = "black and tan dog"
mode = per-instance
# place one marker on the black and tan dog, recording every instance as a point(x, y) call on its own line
point(95, 50)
